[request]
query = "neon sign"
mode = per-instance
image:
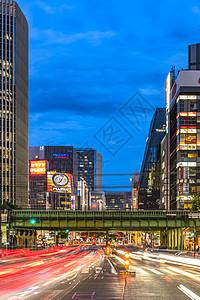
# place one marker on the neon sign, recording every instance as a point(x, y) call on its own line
point(61, 155)
point(38, 167)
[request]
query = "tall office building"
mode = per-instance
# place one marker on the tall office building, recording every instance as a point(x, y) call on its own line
point(194, 57)
point(60, 158)
point(90, 168)
point(148, 194)
point(183, 115)
point(14, 104)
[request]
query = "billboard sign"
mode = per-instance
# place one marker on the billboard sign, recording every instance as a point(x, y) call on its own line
point(168, 89)
point(38, 167)
point(59, 182)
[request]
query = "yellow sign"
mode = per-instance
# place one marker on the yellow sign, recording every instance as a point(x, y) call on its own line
point(59, 182)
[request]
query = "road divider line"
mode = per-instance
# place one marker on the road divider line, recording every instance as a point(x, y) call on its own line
point(188, 292)
point(156, 272)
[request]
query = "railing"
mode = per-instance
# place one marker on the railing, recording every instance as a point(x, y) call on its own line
point(150, 213)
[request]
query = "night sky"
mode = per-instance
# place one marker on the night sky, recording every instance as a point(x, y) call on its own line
point(98, 69)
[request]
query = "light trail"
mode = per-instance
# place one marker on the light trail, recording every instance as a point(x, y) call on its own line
point(185, 273)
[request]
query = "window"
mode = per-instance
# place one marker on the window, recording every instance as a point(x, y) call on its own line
point(193, 105)
point(190, 155)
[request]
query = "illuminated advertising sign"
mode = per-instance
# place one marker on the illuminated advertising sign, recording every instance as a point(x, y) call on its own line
point(59, 182)
point(187, 147)
point(167, 89)
point(60, 155)
point(38, 167)
point(186, 114)
point(187, 130)
point(94, 206)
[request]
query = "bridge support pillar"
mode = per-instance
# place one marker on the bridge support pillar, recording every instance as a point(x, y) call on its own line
point(170, 239)
point(175, 238)
point(163, 239)
point(181, 239)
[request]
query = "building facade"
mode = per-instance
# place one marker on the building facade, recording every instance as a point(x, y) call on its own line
point(184, 132)
point(134, 181)
point(90, 168)
point(116, 200)
point(97, 200)
point(148, 193)
point(61, 163)
point(14, 104)
point(83, 195)
point(163, 173)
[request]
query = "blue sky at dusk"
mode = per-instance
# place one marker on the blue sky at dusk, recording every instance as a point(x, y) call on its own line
point(89, 57)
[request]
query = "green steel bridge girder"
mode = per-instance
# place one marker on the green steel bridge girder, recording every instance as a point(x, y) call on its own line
point(101, 221)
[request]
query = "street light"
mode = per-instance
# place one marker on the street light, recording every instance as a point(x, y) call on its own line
point(33, 221)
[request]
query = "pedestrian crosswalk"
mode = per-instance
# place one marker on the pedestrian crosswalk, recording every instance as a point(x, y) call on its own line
point(148, 271)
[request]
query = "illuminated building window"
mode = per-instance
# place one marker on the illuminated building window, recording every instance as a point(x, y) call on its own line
point(190, 155)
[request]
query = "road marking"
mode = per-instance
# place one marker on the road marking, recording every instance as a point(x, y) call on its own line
point(188, 293)
point(141, 271)
point(156, 272)
point(168, 271)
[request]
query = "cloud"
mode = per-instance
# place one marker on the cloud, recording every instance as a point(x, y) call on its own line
point(50, 37)
point(149, 91)
point(52, 9)
point(196, 10)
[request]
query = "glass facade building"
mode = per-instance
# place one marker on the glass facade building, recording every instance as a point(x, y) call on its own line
point(148, 190)
point(90, 168)
point(13, 104)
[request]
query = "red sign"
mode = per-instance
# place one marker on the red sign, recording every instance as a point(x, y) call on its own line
point(38, 167)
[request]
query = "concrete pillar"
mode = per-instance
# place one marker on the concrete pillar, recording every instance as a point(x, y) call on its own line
point(181, 239)
point(168, 239)
point(173, 239)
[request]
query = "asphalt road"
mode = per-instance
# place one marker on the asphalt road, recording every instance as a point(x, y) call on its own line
point(96, 278)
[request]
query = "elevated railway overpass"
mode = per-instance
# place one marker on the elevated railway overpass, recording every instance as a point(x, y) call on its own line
point(171, 224)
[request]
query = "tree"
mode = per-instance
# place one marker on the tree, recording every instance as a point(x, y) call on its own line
point(196, 202)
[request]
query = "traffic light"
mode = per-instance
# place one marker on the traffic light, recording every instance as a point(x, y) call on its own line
point(191, 235)
point(67, 230)
point(92, 237)
point(108, 250)
point(85, 236)
point(126, 261)
point(33, 221)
